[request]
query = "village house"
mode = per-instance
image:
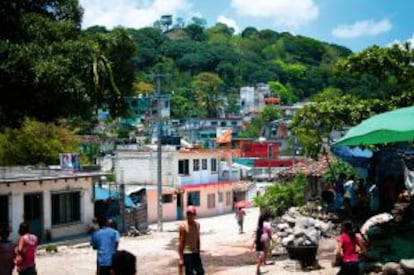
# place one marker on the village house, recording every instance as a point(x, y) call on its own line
point(194, 176)
point(56, 203)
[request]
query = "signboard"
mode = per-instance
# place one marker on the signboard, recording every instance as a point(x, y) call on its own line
point(70, 162)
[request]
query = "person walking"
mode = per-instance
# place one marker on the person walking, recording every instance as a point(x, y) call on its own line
point(123, 263)
point(349, 247)
point(240, 213)
point(259, 244)
point(267, 237)
point(6, 251)
point(25, 251)
point(189, 244)
point(105, 241)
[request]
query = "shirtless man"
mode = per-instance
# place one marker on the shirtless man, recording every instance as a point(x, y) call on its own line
point(189, 244)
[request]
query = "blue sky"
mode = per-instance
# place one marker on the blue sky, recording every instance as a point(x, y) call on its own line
point(356, 24)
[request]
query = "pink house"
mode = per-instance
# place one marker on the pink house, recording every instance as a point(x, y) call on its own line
point(199, 177)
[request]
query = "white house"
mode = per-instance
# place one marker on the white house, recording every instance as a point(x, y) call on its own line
point(252, 99)
point(191, 176)
point(55, 203)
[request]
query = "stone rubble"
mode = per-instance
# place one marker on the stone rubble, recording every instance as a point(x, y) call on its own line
point(299, 230)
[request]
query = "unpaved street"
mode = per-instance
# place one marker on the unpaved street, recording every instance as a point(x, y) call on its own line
point(224, 251)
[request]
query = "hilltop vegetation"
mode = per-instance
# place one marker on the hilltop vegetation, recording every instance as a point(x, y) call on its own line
point(52, 71)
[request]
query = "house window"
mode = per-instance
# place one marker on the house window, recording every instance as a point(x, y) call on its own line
point(193, 198)
point(65, 208)
point(196, 164)
point(220, 196)
point(183, 167)
point(213, 165)
point(211, 201)
point(4, 209)
point(204, 164)
point(228, 198)
point(167, 198)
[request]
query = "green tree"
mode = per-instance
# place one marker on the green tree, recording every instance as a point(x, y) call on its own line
point(35, 143)
point(279, 197)
point(286, 96)
point(388, 70)
point(207, 93)
point(327, 94)
point(54, 70)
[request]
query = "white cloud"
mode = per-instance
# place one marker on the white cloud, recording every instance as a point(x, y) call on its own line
point(397, 41)
point(362, 28)
point(129, 13)
point(229, 22)
point(288, 13)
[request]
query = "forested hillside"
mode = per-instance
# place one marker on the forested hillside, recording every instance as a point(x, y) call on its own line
point(304, 66)
point(56, 73)
point(52, 69)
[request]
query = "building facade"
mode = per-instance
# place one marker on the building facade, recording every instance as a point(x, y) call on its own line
point(55, 203)
point(199, 177)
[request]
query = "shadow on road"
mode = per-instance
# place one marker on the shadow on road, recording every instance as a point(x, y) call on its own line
point(215, 263)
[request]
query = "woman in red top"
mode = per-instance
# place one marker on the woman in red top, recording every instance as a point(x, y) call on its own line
point(348, 248)
point(26, 250)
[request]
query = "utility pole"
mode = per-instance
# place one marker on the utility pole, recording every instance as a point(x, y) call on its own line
point(159, 149)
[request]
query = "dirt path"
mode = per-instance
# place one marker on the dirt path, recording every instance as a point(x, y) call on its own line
point(224, 251)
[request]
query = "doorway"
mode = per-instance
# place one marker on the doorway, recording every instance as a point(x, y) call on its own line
point(179, 206)
point(33, 213)
point(4, 209)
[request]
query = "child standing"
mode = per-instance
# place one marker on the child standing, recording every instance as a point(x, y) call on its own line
point(240, 219)
point(259, 244)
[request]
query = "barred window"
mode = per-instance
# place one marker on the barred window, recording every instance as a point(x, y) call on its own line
point(66, 208)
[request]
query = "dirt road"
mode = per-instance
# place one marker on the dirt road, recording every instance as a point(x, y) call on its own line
point(224, 251)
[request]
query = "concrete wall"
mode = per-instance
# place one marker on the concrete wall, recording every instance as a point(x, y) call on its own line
point(169, 210)
point(46, 188)
point(141, 167)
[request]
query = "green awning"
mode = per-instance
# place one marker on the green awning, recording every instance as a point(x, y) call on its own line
point(389, 127)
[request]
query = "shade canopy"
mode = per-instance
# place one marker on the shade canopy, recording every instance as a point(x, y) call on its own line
point(353, 155)
point(104, 194)
point(388, 127)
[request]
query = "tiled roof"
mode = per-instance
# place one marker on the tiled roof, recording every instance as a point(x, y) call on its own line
point(308, 167)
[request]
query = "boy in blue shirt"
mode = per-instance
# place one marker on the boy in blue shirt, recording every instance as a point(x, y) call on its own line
point(105, 241)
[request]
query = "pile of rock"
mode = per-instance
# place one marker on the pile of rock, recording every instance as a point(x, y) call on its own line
point(295, 229)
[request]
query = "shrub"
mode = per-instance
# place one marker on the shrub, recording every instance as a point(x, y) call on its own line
point(281, 196)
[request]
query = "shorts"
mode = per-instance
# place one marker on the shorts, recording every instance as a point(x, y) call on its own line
point(259, 255)
point(266, 243)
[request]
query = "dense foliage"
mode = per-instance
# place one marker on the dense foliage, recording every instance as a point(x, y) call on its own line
point(281, 196)
point(52, 70)
point(35, 143)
